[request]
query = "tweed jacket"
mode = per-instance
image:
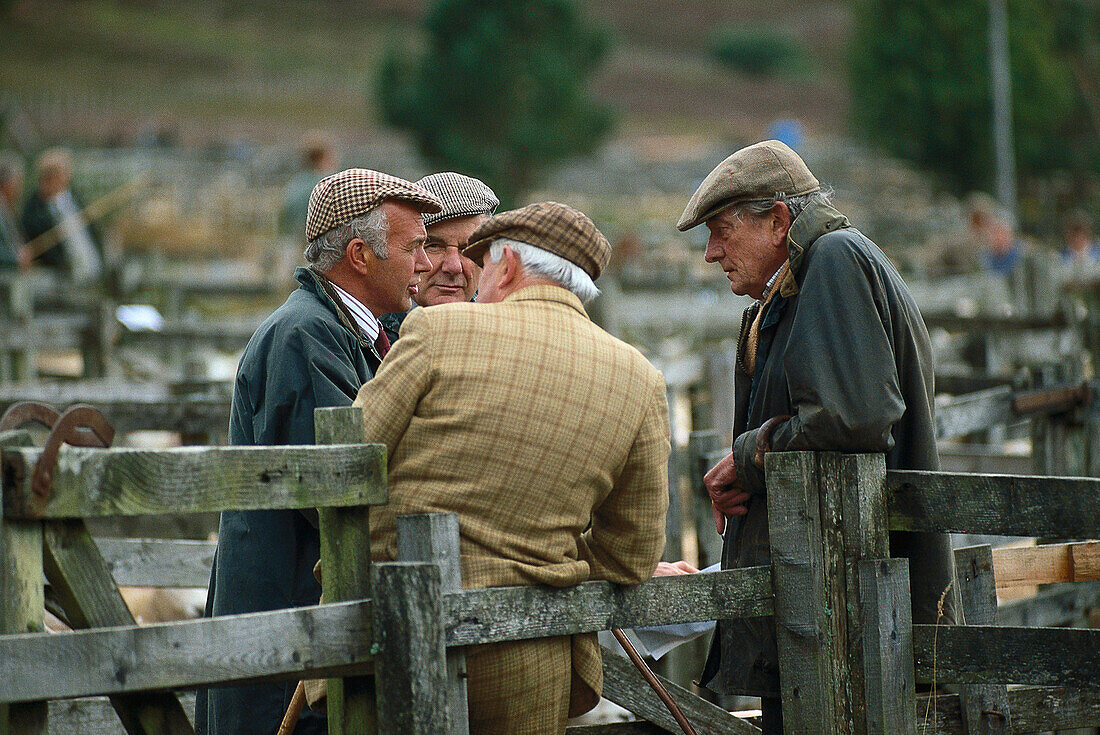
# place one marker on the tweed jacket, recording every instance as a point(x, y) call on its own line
point(548, 437)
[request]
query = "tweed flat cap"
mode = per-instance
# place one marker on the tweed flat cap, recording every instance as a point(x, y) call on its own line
point(556, 228)
point(462, 196)
point(755, 173)
point(343, 196)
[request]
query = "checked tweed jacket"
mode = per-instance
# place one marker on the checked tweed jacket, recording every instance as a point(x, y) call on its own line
point(546, 435)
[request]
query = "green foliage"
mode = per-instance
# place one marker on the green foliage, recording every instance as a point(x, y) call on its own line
point(499, 91)
point(920, 84)
point(757, 50)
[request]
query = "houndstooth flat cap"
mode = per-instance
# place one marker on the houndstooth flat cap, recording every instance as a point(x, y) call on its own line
point(462, 196)
point(343, 196)
point(755, 173)
point(556, 228)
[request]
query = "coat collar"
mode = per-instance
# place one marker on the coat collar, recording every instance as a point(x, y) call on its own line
point(544, 292)
point(815, 220)
point(319, 286)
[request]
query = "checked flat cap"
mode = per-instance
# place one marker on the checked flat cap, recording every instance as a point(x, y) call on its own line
point(755, 173)
point(343, 196)
point(556, 228)
point(462, 196)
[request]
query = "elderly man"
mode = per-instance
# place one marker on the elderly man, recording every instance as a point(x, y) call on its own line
point(467, 203)
point(366, 254)
point(833, 355)
point(546, 435)
point(11, 235)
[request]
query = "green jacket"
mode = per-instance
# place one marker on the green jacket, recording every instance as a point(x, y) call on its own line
point(844, 352)
point(309, 353)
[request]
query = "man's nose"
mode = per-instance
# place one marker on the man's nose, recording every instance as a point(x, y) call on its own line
point(452, 261)
point(713, 252)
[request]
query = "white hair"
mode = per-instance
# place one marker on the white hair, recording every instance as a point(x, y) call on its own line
point(566, 274)
point(325, 250)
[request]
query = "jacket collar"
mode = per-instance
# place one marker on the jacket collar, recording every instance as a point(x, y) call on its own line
point(544, 292)
point(815, 220)
point(320, 287)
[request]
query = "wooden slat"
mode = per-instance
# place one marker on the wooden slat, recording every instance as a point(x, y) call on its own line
point(888, 646)
point(973, 412)
point(1047, 564)
point(623, 685)
point(1034, 709)
point(1067, 657)
point(158, 562)
point(123, 482)
point(514, 613)
point(1055, 606)
point(83, 583)
point(21, 604)
point(1004, 505)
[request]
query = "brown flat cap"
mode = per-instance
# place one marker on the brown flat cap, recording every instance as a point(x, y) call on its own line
point(556, 228)
point(755, 173)
point(343, 196)
point(462, 196)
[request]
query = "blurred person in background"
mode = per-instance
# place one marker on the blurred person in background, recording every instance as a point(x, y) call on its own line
point(1080, 246)
point(1003, 253)
point(58, 233)
point(467, 203)
point(318, 160)
point(833, 356)
point(366, 258)
point(12, 242)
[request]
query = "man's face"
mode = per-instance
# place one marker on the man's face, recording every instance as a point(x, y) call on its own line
point(392, 283)
point(491, 273)
point(453, 276)
point(746, 248)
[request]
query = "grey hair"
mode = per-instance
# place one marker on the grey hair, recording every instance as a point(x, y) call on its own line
point(566, 274)
point(795, 204)
point(325, 250)
point(11, 167)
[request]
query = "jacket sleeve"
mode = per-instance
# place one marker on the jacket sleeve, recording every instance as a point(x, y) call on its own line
point(839, 364)
point(330, 369)
point(627, 536)
point(391, 396)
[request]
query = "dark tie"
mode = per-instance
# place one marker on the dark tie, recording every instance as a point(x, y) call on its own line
point(382, 342)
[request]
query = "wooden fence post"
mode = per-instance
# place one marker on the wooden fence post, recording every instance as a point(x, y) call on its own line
point(433, 537)
point(345, 565)
point(21, 604)
point(411, 662)
point(888, 677)
point(985, 709)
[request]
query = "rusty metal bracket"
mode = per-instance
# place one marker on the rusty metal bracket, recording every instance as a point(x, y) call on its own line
point(79, 426)
point(20, 414)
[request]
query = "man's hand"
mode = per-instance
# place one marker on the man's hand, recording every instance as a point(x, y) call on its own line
point(668, 569)
point(726, 496)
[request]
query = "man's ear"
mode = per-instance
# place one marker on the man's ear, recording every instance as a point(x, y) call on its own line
point(781, 221)
point(359, 255)
point(512, 266)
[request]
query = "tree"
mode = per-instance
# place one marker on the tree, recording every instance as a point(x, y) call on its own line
point(920, 85)
point(499, 91)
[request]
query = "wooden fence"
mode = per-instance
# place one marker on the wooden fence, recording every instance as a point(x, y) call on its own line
point(849, 656)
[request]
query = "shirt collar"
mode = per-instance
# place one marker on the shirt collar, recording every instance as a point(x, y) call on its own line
point(770, 284)
point(367, 321)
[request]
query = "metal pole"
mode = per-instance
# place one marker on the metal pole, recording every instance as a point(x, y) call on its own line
point(1001, 87)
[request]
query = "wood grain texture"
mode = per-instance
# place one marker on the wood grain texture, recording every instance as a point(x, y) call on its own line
point(1005, 505)
point(1034, 709)
point(1055, 606)
point(22, 598)
point(411, 664)
point(158, 562)
point(123, 482)
point(889, 693)
point(979, 411)
point(516, 613)
point(984, 707)
point(623, 685)
point(1068, 657)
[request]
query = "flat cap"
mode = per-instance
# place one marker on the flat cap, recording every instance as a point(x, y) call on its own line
point(755, 173)
point(553, 227)
point(343, 196)
point(462, 196)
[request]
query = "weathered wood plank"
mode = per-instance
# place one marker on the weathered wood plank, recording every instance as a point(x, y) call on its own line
point(1067, 657)
point(158, 562)
point(1034, 709)
point(433, 537)
point(100, 482)
point(411, 666)
point(1046, 564)
point(974, 412)
point(887, 647)
point(22, 598)
point(346, 562)
point(623, 685)
point(515, 613)
point(83, 584)
point(984, 707)
point(1005, 505)
point(802, 598)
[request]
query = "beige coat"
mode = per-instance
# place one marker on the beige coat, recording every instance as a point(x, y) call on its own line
point(547, 436)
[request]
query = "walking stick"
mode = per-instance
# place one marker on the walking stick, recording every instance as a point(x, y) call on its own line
point(654, 682)
point(290, 719)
